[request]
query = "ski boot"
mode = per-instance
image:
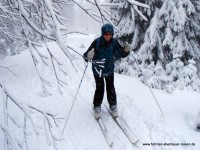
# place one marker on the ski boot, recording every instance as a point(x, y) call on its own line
point(113, 110)
point(97, 112)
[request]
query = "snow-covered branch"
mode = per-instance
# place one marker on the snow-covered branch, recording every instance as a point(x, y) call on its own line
point(140, 13)
point(26, 17)
point(9, 137)
point(8, 68)
point(35, 21)
point(58, 30)
point(133, 2)
point(105, 16)
point(89, 12)
point(59, 81)
point(104, 12)
point(28, 111)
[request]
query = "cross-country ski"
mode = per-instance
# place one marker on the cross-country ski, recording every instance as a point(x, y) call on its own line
point(105, 131)
point(124, 128)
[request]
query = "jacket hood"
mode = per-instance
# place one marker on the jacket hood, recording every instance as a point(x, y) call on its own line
point(107, 28)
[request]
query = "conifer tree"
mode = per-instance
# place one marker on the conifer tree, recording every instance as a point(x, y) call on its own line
point(171, 34)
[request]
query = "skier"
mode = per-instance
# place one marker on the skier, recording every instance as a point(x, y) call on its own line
point(103, 51)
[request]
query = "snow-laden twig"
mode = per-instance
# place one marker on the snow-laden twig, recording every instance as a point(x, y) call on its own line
point(139, 12)
point(14, 120)
point(108, 4)
point(54, 137)
point(71, 32)
point(5, 102)
point(58, 30)
point(53, 116)
point(42, 56)
point(104, 16)
point(24, 131)
point(8, 35)
point(133, 2)
point(54, 67)
point(155, 81)
point(24, 108)
point(46, 132)
point(36, 60)
point(8, 68)
point(9, 137)
point(85, 10)
point(20, 7)
point(99, 8)
point(28, 111)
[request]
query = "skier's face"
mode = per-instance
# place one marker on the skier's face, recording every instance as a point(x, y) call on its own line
point(107, 36)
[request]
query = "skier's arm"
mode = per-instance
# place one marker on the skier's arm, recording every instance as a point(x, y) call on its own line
point(92, 46)
point(119, 51)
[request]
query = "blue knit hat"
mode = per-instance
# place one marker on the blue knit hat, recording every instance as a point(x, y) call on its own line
point(107, 28)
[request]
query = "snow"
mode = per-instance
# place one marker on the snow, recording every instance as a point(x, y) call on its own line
point(136, 104)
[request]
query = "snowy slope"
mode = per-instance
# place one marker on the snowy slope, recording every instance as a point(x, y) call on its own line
point(136, 104)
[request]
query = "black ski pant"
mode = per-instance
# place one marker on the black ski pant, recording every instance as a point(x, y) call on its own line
point(99, 92)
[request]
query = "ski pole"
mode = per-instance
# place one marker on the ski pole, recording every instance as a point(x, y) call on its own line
point(74, 100)
point(162, 114)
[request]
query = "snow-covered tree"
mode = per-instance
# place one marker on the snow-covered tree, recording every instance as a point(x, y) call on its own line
point(26, 113)
point(32, 23)
point(183, 76)
point(170, 32)
point(101, 12)
point(173, 31)
point(132, 20)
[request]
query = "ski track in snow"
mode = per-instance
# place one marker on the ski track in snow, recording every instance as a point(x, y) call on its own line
point(136, 107)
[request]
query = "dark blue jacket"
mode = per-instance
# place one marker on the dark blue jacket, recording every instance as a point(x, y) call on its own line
point(105, 53)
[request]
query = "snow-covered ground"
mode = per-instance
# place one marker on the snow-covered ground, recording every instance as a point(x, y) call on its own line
point(136, 104)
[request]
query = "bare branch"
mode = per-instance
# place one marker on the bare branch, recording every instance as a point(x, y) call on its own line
point(85, 10)
point(98, 6)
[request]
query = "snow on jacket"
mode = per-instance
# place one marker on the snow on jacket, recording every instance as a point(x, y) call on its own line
point(105, 52)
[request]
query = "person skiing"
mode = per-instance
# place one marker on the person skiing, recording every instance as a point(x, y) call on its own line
point(102, 52)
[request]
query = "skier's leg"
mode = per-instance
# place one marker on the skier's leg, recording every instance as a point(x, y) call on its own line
point(111, 95)
point(110, 88)
point(99, 92)
point(98, 96)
